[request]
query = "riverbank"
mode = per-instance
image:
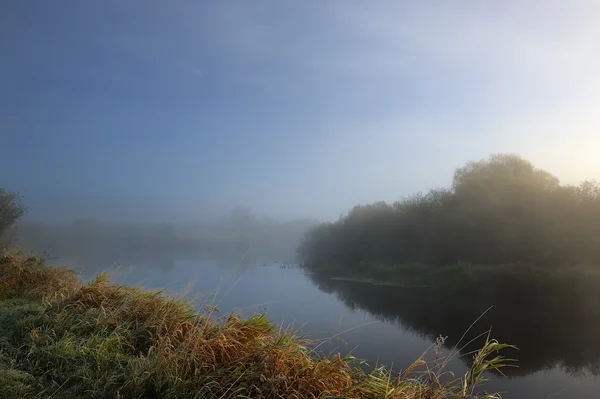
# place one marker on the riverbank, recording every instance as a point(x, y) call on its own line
point(63, 338)
point(460, 276)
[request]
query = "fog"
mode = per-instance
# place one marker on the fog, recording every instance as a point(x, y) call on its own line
point(160, 113)
point(237, 239)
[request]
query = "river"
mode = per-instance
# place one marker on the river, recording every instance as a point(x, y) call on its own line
point(559, 350)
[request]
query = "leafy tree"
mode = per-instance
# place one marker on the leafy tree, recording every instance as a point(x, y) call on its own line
point(11, 210)
point(498, 210)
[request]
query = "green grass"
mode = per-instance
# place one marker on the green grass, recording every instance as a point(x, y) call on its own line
point(15, 383)
point(61, 338)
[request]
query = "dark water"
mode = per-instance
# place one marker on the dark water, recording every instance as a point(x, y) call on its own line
point(557, 333)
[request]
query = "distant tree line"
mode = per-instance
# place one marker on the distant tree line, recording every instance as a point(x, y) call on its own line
point(499, 210)
point(239, 234)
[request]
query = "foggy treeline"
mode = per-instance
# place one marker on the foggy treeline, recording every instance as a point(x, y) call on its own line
point(498, 210)
point(235, 234)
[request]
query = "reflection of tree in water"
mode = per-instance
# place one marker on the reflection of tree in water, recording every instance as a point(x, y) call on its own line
point(555, 322)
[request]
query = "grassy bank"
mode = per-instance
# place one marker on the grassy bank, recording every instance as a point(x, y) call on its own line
point(63, 338)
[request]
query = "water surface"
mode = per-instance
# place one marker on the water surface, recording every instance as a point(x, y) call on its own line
point(559, 353)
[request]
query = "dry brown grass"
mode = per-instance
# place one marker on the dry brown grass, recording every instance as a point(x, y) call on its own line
point(23, 275)
point(181, 348)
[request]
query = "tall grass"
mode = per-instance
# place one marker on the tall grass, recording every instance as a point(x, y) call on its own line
point(26, 276)
point(105, 340)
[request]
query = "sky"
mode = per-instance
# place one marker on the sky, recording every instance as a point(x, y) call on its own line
point(179, 110)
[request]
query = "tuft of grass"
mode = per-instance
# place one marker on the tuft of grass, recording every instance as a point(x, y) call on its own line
point(26, 276)
point(66, 339)
point(16, 384)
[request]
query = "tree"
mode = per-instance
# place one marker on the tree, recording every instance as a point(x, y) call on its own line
point(497, 210)
point(11, 210)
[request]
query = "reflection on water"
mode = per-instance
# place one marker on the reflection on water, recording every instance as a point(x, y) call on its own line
point(555, 325)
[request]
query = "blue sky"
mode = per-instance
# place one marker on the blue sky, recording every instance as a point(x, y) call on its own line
point(174, 110)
